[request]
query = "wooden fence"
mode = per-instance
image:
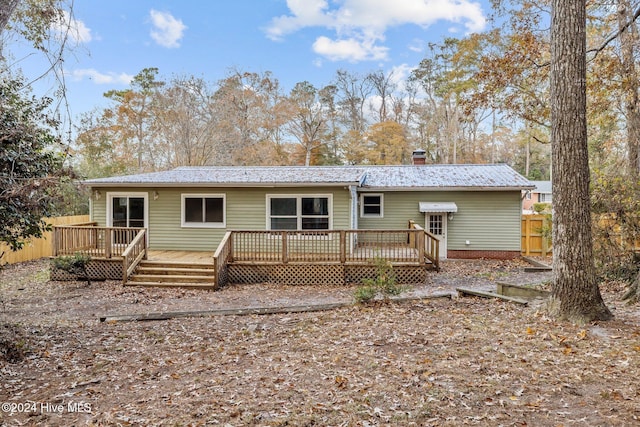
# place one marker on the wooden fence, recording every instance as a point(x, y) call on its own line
point(534, 241)
point(42, 247)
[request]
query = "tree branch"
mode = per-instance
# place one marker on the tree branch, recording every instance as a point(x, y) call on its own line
point(615, 35)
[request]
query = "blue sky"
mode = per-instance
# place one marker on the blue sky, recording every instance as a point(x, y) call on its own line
point(296, 40)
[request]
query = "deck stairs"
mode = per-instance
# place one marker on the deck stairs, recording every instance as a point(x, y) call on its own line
point(169, 274)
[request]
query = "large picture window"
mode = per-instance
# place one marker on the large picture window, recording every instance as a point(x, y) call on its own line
point(203, 210)
point(299, 212)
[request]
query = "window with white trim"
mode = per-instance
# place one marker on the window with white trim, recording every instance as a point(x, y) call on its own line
point(544, 198)
point(203, 210)
point(371, 205)
point(304, 212)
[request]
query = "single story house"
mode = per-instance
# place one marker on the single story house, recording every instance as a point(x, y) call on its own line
point(474, 210)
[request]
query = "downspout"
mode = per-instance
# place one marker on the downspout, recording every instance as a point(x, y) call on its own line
point(354, 207)
point(354, 215)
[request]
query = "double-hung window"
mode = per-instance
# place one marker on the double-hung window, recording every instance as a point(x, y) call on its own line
point(203, 210)
point(371, 205)
point(299, 212)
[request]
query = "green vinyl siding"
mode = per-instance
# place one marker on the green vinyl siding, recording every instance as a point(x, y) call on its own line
point(245, 210)
point(489, 220)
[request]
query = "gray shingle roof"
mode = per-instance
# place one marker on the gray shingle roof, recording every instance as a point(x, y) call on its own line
point(241, 176)
point(369, 177)
point(542, 186)
point(445, 177)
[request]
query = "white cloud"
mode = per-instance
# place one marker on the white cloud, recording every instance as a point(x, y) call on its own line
point(69, 26)
point(400, 73)
point(416, 45)
point(100, 78)
point(348, 50)
point(167, 30)
point(360, 25)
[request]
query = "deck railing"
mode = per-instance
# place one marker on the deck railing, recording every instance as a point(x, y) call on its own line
point(221, 258)
point(334, 246)
point(428, 243)
point(96, 242)
point(135, 252)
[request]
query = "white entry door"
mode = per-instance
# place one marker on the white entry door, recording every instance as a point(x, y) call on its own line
point(436, 224)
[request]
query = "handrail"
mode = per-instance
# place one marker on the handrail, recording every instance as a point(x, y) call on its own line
point(135, 252)
point(430, 245)
point(221, 258)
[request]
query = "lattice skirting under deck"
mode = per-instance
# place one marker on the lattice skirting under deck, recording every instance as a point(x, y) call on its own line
point(98, 269)
point(316, 274)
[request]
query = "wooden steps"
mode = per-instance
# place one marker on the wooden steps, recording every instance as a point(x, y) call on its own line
point(173, 274)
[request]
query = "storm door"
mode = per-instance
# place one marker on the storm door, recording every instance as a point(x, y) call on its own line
point(436, 224)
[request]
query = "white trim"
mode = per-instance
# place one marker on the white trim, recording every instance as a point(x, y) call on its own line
point(185, 224)
point(298, 198)
point(362, 214)
point(109, 201)
point(442, 238)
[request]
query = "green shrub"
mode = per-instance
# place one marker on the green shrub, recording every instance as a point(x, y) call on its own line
point(74, 264)
point(383, 284)
point(542, 208)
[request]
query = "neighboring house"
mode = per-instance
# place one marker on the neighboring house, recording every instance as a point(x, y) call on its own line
point(474, 209)
point(541, 194)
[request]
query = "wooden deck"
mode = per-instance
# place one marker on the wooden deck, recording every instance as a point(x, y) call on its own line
point(181, 256)
point(294, 257)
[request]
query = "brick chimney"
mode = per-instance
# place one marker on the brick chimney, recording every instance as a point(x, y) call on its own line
point(419, 157)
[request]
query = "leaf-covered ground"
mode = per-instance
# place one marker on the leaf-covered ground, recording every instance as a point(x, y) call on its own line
point(429, 362)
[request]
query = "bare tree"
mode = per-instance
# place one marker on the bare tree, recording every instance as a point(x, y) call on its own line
point(308, 122)
point(384, 88)
point(630, 83)
point(183, 122)
point(353, 92)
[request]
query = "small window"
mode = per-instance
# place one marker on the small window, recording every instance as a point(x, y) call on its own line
point(371, 205)
point(203, 210)
point(436, 224)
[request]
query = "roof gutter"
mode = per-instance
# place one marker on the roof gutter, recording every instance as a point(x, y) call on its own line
point(212, 185)
point(484, 188)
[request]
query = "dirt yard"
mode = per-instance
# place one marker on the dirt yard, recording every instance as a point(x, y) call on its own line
point(426, 362)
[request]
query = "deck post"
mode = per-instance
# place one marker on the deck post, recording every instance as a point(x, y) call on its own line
point(343, 246)
point(420, 242)
point(107, 242)
point(145, 246)
point(285, 250)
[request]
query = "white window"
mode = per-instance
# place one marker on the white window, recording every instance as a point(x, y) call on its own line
point(303, 212)
point(371, 205)
point(203, 210)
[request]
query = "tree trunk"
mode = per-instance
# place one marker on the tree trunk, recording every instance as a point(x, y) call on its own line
point(630, 84)
point(6, 10)
point(575, 293)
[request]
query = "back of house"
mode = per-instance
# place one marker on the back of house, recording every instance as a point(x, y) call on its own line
point(474, 210)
